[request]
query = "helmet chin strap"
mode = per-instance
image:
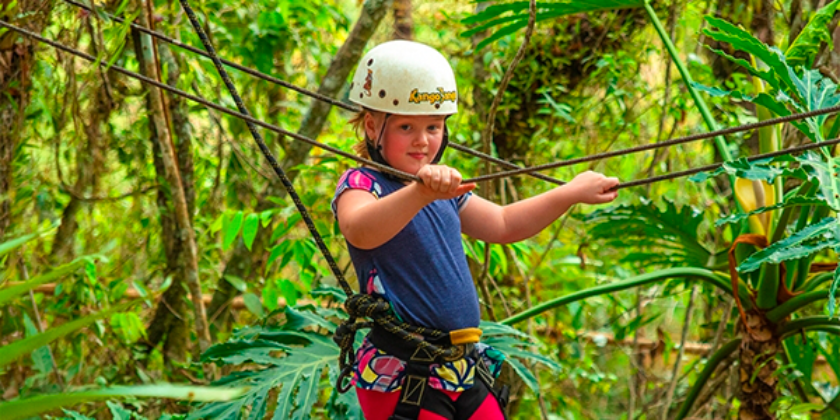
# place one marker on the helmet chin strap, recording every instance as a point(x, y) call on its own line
point(375, 149)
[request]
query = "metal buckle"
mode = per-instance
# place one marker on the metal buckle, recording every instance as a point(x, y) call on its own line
point(413, 389)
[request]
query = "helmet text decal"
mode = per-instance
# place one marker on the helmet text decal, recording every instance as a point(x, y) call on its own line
point(432, 97)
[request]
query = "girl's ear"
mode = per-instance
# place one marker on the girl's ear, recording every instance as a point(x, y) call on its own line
point(370, 125)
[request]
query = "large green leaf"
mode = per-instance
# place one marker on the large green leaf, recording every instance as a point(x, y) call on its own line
point(777, 104)
point(665, 236)
point(742, 40)
point(292, 360)
point(11, 352)
point(800, 244)
point(518, 15)
point(296, 372)
point(513, 344)
point(32, 406)
point(806, 45)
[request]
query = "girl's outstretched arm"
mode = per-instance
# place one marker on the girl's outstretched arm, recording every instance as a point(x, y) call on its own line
point(487, 221)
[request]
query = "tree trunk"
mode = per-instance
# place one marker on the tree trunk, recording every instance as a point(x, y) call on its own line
point(403, 23)
point(179, 238)
point(16, 62)
point(243, 261)
point(758, 367)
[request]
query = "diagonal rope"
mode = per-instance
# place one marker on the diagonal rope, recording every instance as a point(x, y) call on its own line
point(340, 152)
point(357, 304)
point(287, 183)
point(301, 90)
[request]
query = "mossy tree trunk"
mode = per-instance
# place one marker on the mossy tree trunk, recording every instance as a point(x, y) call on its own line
point(170, 322)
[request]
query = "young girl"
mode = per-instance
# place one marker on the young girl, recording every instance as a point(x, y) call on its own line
point(405, 237)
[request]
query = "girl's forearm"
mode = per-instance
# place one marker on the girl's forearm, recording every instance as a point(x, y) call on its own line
point(524, 219)
point(374, 223)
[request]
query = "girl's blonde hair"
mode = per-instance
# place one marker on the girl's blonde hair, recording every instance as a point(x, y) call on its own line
point(358, 124)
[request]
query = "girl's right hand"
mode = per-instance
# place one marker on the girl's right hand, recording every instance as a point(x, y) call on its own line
point(593, 188)
point(441, 182)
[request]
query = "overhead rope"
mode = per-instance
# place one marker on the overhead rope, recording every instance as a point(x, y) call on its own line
point(400, 174)
point(519, 170)
point(301, 90)
point(672, 142)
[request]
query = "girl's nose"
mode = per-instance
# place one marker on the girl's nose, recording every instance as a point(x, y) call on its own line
point(421, 139)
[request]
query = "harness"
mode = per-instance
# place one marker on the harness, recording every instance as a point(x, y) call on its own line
point(420, 348)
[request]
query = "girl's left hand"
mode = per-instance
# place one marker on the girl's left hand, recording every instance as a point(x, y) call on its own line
point(593, 188)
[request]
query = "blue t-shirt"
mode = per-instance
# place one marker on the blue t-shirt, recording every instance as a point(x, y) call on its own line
point(422, 270)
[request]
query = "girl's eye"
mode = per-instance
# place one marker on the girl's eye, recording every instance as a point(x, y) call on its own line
point(405, 127)
point(433, 128)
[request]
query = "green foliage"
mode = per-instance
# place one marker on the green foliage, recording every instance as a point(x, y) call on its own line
point(25, 408)
point(799, 91)
point(667, 236)
point(294, 358)
point(518, 15)
point(804, 48)
point(792, 90)
point(11, 352)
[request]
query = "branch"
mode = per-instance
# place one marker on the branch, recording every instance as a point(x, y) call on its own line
point(688, 273)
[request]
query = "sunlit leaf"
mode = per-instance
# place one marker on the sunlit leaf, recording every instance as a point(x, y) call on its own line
point(518, 19)
point(249, 229)
point(231, 229)
point(10, 352)
point(741, 39)
point(12, 292)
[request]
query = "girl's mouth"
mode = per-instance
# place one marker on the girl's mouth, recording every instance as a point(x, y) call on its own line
point(418, 156)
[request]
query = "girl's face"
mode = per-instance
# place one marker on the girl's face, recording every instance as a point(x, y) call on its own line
point(410, 141)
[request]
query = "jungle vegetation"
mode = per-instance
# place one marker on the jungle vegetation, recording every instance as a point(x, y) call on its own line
point(154, 267)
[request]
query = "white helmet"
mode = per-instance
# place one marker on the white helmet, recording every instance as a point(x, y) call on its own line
point(405, 77)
